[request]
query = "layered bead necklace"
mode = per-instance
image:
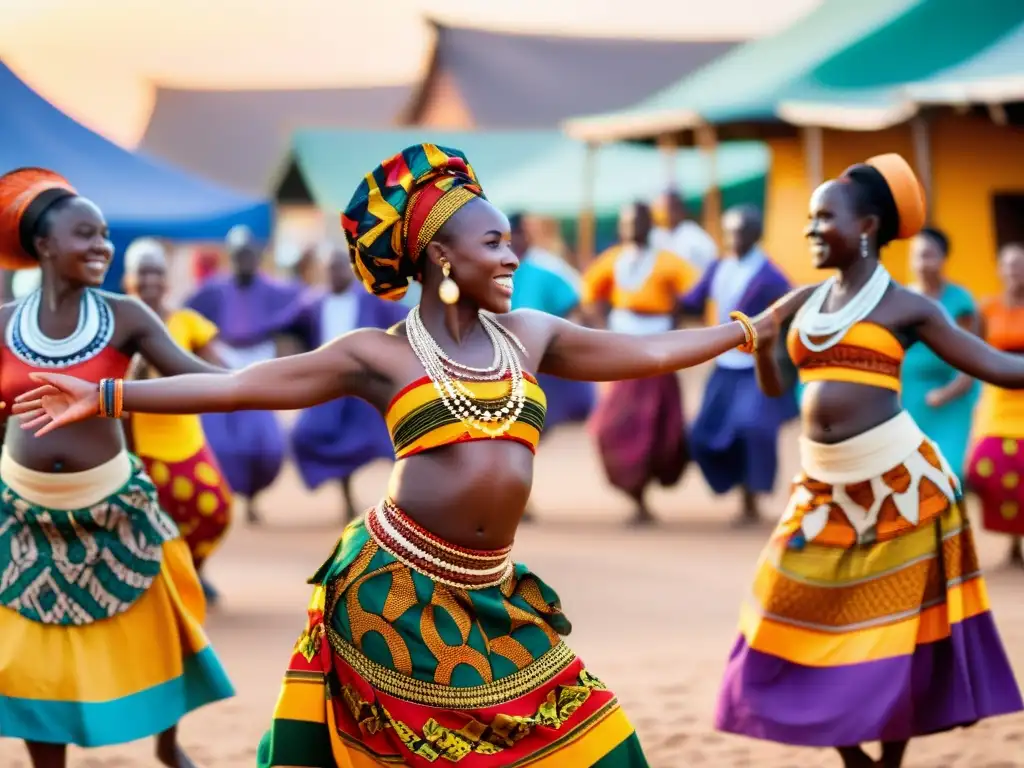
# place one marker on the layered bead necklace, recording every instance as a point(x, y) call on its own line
point(497, 416)
point(31, 345)
point(831, 327)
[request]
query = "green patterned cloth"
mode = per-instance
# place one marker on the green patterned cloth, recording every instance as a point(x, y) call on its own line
point(404, 621)
point(74, 567)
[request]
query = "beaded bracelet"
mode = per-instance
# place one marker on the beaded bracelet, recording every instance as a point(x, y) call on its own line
point(749, 332)
point(111, 398)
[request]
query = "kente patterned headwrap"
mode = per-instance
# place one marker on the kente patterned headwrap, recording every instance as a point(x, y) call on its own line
point(25, 195)
point(398, 208)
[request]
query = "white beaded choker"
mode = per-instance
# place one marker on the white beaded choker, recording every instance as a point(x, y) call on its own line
point(831, 327)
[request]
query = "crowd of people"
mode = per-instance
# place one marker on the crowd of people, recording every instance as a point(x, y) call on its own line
point(134, 424)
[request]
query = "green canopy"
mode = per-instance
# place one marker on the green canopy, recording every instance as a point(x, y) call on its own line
point(995, 75)
point(849, 53)
point(746, 82)
point(332, 162)
point(988, 68)
point(541, 172)
point(554, 184)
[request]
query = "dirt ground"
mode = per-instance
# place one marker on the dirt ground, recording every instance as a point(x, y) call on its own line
point(653, 611)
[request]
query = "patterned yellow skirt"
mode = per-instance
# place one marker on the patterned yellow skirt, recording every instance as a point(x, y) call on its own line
point(101, 611)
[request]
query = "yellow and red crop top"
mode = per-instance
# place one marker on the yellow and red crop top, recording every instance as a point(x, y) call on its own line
point(867, 354)
point(418, 420)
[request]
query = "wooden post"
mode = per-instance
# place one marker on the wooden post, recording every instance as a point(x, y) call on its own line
point(920, 133)
point(669, 146)
point(814, 155)
point(587, 223)
point(707, 140)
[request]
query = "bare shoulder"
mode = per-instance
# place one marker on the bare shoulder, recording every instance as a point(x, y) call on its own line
point(788, 305)
point(915, 307)
point(530, 325)
point(373, 347)
point(121, 302)
point(6, 310)
point(129, 309)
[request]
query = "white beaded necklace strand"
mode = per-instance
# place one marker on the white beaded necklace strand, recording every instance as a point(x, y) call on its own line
point(447, 375)
point(812, 323)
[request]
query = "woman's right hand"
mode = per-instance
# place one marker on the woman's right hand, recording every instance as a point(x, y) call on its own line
point(59, 401)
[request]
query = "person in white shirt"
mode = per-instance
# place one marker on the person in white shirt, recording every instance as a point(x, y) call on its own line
point(734, 438)
point(683, 236)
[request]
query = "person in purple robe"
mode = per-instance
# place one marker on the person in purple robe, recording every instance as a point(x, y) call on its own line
point(734, 439)
point(333, 440)
point(250, 309)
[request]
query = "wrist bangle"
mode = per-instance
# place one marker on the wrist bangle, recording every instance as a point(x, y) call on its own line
point(111, 398)
point(749, 344)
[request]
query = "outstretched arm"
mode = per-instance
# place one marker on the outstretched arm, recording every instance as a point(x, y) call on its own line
point(965, 351)
point(334, 370)
point(585, 354)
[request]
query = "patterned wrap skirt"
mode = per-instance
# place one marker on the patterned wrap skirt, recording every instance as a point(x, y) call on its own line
point(996, 475)
point(418, 652)
point(196, 495)
point(869, 618)
point(101, 611)
point(640, 432)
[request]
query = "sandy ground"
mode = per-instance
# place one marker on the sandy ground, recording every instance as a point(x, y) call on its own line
point(654, 615)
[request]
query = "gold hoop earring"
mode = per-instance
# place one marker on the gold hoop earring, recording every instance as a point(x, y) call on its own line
point(448, 290)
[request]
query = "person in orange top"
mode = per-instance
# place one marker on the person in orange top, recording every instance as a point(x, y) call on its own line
point(996, 465)
point(190, 485)
point(638, 423)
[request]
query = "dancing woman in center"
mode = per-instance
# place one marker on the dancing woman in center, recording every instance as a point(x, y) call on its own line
point(426, 644)
point(869, 619)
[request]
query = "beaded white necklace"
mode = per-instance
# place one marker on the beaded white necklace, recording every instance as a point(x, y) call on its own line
point(27, 341)
point(831, 327)
point(448, 375)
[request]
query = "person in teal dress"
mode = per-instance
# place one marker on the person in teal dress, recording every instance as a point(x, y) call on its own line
point(940, 398)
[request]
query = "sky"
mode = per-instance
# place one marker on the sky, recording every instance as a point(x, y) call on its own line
point(98, 60)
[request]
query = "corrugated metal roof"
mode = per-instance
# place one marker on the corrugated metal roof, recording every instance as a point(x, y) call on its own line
point(536, 81)
point(239, 138)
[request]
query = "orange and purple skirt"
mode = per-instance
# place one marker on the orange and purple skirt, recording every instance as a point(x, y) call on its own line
point(996, 474)
point(196, 495)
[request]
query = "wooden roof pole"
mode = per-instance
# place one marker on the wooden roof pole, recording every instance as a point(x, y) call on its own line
point(707, 140)
point(586, 226)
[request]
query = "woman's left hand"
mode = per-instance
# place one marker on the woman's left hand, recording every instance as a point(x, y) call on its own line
point(60, 400)
point(767, 326)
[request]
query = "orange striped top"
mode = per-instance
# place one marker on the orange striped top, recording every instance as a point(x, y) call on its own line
point(868, 354)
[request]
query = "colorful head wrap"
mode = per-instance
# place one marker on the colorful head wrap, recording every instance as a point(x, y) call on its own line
point(25, 195)
point(891, 186)
point(398, 208)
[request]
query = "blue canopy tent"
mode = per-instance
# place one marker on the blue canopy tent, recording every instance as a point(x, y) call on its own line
point(139, 196)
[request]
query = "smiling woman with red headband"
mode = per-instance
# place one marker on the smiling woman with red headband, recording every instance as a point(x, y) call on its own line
point(869, 619)
point(425, 642)
point(92, 568)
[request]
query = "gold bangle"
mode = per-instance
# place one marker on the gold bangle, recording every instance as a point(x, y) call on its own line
point(118, 398)
point(749, 344)
point(102, 406)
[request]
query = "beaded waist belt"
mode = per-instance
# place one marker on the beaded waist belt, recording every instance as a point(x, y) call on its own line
point(435, 558)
